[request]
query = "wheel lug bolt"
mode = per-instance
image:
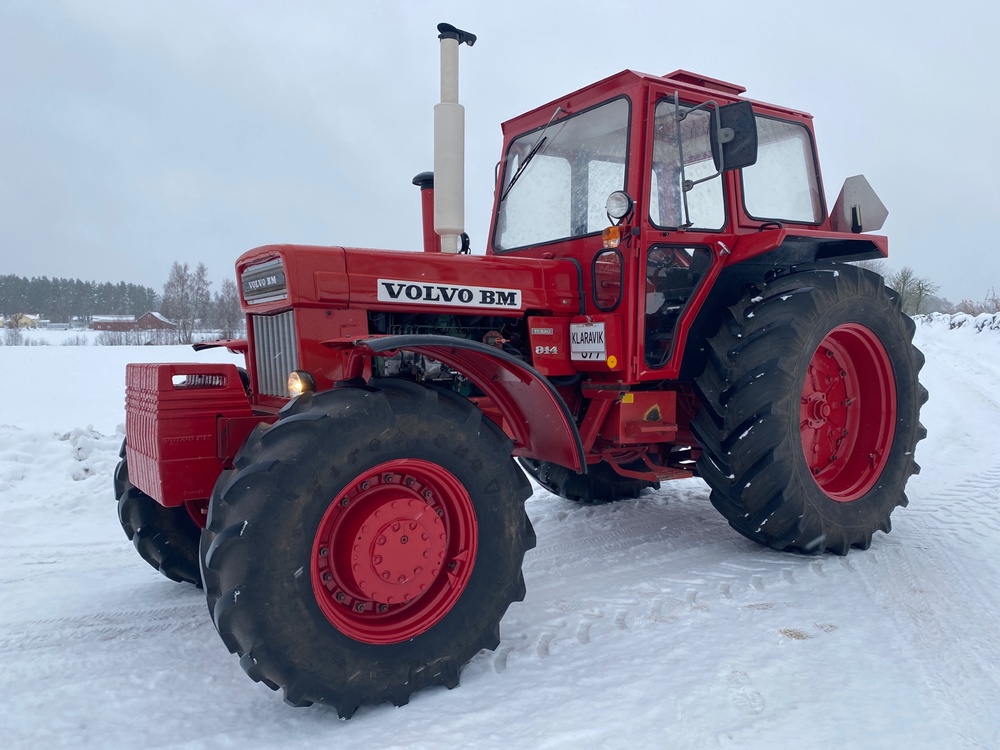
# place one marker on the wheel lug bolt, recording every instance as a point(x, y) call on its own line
point(323, 552)
point(359, 607)
point(327, 577)
point(340, 596)
point(427, 494)
point(383, 608)
point(409, 482)
point(364, 485)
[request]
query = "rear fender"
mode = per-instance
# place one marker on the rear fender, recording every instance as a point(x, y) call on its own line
point(535, 415)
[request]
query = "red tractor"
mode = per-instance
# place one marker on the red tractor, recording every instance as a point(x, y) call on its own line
point(664, 294)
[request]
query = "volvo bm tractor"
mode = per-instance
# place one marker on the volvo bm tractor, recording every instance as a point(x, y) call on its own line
point(665, 293)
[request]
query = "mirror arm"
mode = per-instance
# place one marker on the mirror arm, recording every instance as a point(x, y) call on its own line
point(686, 184)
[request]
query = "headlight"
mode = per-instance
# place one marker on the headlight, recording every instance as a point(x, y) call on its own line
point(619, 205)
point(299, 382)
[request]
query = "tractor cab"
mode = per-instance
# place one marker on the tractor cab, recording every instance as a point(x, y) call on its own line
point(650, 184)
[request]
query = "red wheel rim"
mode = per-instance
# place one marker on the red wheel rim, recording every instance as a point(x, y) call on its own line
point(847, 413)
point(394, 551)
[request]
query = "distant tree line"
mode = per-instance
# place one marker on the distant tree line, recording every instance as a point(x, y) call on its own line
point(187, 301)
point(919, 294)
point(60, 300)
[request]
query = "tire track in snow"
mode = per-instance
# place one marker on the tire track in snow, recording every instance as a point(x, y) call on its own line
point(570, 534)
point(34, 635)
point(937, 600)
point(971, 505)
point(44, 654)
point(652, 566)
point(19, 565)
point(32, 555)
point(670, 559)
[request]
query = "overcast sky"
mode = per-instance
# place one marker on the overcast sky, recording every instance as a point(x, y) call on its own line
point(134, 134)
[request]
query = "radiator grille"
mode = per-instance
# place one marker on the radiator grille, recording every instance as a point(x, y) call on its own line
point(275, 352)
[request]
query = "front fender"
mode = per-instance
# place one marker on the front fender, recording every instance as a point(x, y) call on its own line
point(537, 418)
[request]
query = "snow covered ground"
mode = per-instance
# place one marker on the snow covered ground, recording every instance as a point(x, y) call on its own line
point(648, 623)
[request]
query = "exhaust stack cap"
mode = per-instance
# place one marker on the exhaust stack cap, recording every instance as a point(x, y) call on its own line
point(447, 31)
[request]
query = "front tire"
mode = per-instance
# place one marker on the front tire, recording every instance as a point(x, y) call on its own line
point(366, 545)
point(810, 410)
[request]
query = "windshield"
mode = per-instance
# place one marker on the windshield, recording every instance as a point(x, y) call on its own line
point(562, 189)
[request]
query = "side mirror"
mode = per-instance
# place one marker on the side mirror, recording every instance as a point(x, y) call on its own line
point(734, 136)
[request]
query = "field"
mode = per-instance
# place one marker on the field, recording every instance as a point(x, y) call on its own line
point(648, 623)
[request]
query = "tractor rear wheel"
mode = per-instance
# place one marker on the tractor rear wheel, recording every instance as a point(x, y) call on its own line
point(166, 538)
point(367, 544)
point(810, 410)
point(601, 483)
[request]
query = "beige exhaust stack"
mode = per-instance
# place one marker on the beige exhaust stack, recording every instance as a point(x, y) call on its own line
point(449, 143)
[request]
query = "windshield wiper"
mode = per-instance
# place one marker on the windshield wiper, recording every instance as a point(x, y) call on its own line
point(542, 141)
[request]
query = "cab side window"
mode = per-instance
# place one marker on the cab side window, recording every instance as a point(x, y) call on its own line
point(782, 185)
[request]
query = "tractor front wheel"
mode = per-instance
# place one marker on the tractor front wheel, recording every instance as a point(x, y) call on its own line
point(366, 545)
point(810, 410)
point(166, 538)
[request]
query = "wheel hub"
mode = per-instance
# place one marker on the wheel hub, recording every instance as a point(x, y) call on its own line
point(818, 410)
point(399, 551)
point(847, 412)
point(394, 551)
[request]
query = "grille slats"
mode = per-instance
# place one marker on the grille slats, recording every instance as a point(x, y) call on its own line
point(275, 352)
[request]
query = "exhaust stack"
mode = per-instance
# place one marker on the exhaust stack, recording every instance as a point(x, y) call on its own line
point(449, 143)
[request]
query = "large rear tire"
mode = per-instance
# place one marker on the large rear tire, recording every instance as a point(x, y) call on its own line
point(166, 538)
point(810, 410)
point(366, 545)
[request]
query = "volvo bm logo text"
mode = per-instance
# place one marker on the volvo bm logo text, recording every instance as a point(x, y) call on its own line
point(255, 284)
point(392, 290)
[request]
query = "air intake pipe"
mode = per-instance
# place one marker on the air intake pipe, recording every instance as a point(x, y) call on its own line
point(425, 181)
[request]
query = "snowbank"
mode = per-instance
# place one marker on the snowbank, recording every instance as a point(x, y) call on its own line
point(978, 323)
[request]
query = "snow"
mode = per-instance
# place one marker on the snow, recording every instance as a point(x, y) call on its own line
point(647, 624)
